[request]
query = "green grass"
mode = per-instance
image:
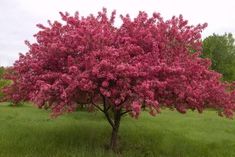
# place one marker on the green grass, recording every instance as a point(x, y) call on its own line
point(29, 132)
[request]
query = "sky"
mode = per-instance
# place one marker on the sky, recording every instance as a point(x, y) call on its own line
point(18, 18)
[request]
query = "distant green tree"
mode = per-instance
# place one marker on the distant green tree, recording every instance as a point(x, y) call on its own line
point(3, 82)
point(221, 50)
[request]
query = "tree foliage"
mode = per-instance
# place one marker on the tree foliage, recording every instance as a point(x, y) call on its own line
point(12, 91)
point(3, 82)
point(221, 50)
point(146, 61)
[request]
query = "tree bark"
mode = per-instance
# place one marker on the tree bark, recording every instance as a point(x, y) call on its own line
point(114, 121)
point(114, 138)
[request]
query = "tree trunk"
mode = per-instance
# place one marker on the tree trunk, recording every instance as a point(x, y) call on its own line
point(115, 128)
point(114, 121)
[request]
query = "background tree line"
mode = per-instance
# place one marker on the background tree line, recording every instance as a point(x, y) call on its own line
point(221, 50)
point(3, 82)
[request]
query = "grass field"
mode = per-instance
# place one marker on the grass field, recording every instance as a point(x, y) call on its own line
point(29, 132)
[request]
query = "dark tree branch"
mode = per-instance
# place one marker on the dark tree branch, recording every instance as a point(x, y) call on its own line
point(125, 112)
point(111, 122)
point(108, 108)
point(124, 101)
point(109, 119)
point(97, 106)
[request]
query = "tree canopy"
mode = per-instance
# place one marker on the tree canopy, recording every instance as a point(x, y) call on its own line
point(146, 61)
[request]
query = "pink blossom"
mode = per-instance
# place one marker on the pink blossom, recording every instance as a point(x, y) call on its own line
point(136, 108)
point(146, 61)
point(105, 83)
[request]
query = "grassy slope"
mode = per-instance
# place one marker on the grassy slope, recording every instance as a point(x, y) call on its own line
point(29, 132)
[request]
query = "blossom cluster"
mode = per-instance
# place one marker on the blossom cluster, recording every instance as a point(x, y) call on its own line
point(147, 61)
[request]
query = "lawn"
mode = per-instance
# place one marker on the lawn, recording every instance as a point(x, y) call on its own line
point(26, 131)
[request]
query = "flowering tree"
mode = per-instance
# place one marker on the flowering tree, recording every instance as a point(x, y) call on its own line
point(13, 91)
point(145, 62)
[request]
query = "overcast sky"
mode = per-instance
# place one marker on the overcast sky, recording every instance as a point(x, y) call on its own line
point(19, 17)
